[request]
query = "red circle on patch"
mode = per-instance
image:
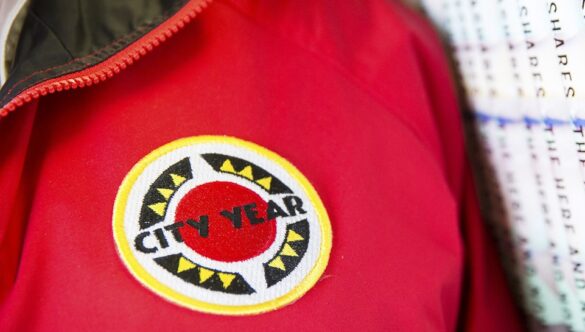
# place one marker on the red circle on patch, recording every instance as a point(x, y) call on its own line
point(225, 242)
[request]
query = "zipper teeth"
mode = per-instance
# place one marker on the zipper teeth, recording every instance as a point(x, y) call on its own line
point(106, 70)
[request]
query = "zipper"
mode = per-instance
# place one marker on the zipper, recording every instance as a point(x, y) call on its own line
point(113, 65)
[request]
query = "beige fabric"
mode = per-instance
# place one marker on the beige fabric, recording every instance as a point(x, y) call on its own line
point(12, 14)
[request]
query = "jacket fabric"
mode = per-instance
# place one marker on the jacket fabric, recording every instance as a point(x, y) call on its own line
point(357, 95)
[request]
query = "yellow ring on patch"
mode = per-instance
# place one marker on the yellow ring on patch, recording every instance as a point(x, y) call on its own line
point(145, 278)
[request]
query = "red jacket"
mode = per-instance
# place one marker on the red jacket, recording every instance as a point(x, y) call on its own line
point(355, 95)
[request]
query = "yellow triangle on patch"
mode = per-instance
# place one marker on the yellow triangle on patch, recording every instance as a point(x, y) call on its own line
point(158, 208)
point(265, 182)
point(226, 279)
point(287, 250)
point(277, 264)
point(166, 193)
point(185, 265)
point(227, 167)
point(204, 274)
point(247, 172)
point(177, 179)
point(293, 236)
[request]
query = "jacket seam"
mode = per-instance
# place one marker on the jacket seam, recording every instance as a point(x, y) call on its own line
point(50, 29)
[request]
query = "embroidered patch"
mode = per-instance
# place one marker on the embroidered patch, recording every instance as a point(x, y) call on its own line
point(221, 225)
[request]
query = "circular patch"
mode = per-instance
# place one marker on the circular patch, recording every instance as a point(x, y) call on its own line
point(221, 225)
